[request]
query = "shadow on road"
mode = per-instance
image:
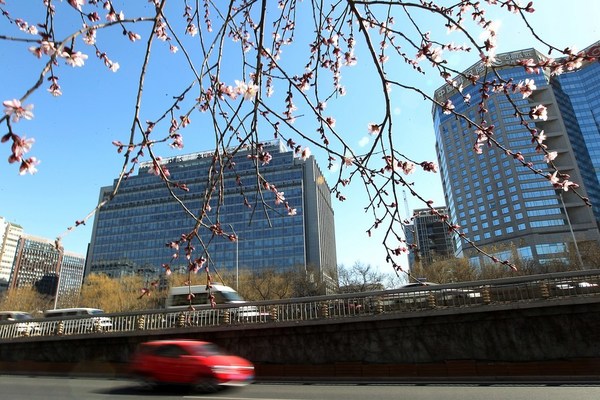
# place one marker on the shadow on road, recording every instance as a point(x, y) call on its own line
point(162, 390)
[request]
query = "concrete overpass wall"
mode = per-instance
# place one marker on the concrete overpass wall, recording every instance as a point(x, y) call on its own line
point(539, 338)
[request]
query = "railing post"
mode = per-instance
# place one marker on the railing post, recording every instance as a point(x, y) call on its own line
point(140, 323)
point(544, 290)
point(379, 307)
point(60, 328)
point(226, 317)
point(431, 300)
point(273, 314)
point(485, 294)
point(180, 320)
point(325, 310)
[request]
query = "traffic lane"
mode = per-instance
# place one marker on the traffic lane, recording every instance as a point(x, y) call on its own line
point(420, 391)
point(56, 388)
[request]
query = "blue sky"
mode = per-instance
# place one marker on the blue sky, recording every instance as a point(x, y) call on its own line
point(74, 132)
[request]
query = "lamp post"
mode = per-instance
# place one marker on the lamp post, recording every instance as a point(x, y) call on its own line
point(237, 253)
point(577, 253)
point(57, 289)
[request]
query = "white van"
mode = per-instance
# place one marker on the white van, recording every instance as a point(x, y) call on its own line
point(24, 325)
point(81, 319)
point(179, 299)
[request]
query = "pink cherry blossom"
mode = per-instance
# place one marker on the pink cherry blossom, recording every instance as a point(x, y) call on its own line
point(526, 88)
point(539, 112)
point(448, 107)
point(565, 185)
point(248, 90)
point(553, 178)
point(279, 198)
point(408, 167)
point(550, 156)
point(529, 65)
point(305, 153)
point(374, 128)
point(157, 167)
point(133, 36)
point(16, 110)
point(29, 166)
point(76, 59)
point(429, 166)
point(76, 4)
point(20, 146)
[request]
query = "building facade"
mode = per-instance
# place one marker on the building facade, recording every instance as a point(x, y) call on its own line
point(70, 279)
point(431, 235)
point(132, 230)
point(39, 264)
point(9, 238)
point(499, 203)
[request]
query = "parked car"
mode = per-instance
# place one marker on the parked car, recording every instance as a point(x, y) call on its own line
point(201, 365)
point(24, 325)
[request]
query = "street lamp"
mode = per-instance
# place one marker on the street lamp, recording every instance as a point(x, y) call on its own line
point(571, 230)
point(57, 289)
point(237, 253)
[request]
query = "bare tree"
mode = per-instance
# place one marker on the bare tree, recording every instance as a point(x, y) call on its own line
point(446, 270)
point(268, 284)
point(360, 278)
point(251, 69)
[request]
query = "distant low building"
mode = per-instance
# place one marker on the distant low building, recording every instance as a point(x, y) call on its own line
point(50, 270)
point(9, 237)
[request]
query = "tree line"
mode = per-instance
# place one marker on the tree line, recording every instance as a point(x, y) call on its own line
point(124, 294)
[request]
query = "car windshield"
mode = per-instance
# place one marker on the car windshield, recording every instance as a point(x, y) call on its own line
point(96, 312)
point(232, 296)
point(21, 317)
point(206, 350)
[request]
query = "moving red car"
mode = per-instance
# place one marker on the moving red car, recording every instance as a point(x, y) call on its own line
point(202, 365)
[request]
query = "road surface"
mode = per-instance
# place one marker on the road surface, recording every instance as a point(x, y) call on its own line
point(57, 388)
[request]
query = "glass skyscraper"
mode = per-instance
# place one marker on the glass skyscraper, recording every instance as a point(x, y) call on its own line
point(131, 231)
point(499, 203)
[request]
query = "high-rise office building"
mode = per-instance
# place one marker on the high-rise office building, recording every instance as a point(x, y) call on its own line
point(39, 264)
point(431, 235)
point(131, 231)
point(9, 237)
point(70, 279)
point(498, 202)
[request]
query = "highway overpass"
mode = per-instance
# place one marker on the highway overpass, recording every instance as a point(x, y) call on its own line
point(536, 326)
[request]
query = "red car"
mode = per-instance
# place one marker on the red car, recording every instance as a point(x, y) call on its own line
point(202, 365)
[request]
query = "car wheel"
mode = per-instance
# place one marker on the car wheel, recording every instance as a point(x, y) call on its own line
point(146, 382)
point(206, 385)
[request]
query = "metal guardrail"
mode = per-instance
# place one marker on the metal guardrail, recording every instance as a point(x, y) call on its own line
point(545, 287)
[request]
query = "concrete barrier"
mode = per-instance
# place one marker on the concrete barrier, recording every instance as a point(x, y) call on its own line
point(537, 339)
